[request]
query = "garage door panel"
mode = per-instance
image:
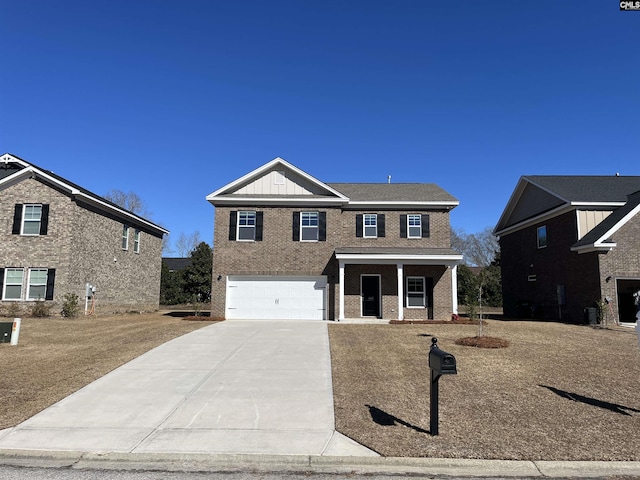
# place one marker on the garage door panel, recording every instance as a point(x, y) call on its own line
point(267, 297)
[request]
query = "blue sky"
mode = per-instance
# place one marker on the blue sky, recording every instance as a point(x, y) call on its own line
point(174, 99)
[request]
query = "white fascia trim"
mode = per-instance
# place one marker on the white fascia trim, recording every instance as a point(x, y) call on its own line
point(597, 204)
point(537, 219)
point(29, 171)
point(258, 171)
point(400, 204)
point(393, 259)
point(595, 247)
point(297, 202)
point(106, 206)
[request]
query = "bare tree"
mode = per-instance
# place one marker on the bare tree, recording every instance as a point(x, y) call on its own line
point(166, 245)
point(129, 201)
point(187, 243)
point(479, 249)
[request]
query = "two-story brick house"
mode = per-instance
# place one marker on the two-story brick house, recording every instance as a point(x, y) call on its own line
point(569, 241)
point(56, 237)
point(288, 246)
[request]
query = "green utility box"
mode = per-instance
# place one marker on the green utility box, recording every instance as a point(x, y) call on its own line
point(5, 332)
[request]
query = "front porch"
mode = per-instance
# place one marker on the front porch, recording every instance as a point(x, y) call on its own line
point(397, 283)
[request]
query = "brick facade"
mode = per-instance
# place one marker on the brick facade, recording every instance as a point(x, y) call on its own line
point(554, 265)
point(279, 254)
point(84, 245)
point(598, 267)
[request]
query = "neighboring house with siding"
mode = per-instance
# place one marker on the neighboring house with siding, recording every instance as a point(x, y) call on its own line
point(288, 246)
point(57, 237)
point(567, 242)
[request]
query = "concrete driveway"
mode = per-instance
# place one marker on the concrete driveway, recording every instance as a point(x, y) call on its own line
point(236, 387)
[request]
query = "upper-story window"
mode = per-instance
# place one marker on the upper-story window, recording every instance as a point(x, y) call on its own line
point(245, 226)
point(309, 226)
point(414, 225)
point(370, 225)
point(30, 219)
point(136, 241)
point(125, 237)
point(542, 236)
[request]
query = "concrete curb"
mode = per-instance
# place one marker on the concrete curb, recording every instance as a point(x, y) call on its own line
point(319, 464)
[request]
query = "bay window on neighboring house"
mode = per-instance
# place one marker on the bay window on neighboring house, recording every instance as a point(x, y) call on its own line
point(416, 293)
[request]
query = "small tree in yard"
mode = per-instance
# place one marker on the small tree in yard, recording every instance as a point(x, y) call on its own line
point(197, 276)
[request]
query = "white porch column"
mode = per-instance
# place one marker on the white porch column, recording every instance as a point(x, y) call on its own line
point(341, 284)
point(454, 288)
point(400, 292)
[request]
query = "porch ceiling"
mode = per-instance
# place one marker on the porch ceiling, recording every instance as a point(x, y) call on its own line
point(391, 255)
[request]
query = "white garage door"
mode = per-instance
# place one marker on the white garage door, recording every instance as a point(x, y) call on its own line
point(276, 298)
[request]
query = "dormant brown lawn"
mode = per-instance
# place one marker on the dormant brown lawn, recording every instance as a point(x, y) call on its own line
point(558, 392)
point(56, 356)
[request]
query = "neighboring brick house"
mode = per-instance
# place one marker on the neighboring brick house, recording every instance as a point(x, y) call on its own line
point(568, 242)
point(57, 237)
point(288, 246)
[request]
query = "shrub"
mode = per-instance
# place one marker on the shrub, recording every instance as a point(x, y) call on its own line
point(40, 309)
point(70, 306)
point(11, 309)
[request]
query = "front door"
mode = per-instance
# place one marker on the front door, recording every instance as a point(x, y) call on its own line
point(370, 292)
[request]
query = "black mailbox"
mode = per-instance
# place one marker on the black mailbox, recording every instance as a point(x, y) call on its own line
point(441, 362)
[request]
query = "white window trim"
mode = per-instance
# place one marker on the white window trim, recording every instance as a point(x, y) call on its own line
point(24, 220)
point(29, 285)
point(136, 241)
point(246, 227)
point(409, 226)
point(364, 225)
point(316, 227)
point(424, 292)
point(125, 237)
point(4, 285)
point(538, 237)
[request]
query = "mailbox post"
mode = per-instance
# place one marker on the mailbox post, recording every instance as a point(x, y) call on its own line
point(440, 363)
